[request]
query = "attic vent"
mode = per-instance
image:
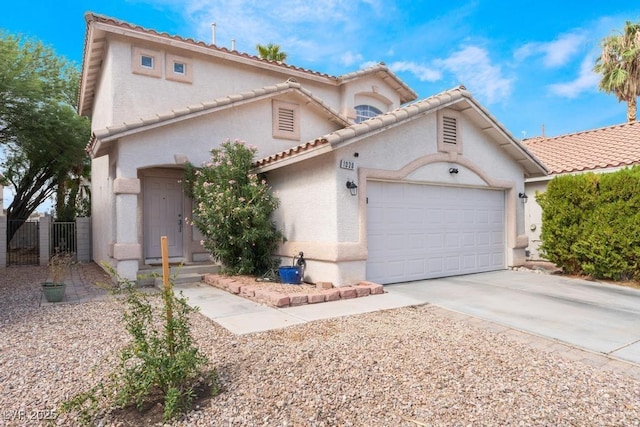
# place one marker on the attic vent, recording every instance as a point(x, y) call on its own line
point(449, 130)
point(286, 120)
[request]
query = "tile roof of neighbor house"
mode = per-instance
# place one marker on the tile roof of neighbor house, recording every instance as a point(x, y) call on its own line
point(607, 147)
point(95, 47)
point(456, 98)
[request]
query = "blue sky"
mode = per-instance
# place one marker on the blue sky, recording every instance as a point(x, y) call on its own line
point(528, 62)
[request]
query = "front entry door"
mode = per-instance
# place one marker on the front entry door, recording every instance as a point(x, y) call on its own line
point(163, 216)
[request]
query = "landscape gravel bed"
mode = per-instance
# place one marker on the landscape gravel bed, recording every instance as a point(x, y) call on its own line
point(404, 367)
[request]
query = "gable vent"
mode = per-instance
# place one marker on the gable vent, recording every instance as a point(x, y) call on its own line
point(449, 130)
point(286, 120)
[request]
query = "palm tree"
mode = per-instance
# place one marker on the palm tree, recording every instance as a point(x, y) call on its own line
point(619, 64)
point(271, 52)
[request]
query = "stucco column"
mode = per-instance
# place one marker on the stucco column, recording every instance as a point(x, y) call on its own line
point(127, 251)
point(83, 239)
point(45, 239)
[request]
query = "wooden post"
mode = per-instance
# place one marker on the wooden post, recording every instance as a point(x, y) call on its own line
point(164, 246)
point(167, 292)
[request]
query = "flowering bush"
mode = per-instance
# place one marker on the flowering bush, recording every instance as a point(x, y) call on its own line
point(233, 208)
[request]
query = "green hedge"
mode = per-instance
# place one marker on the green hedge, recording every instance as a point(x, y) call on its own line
point(591, 224)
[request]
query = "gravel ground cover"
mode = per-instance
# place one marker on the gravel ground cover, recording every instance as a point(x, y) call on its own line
point(406, 367)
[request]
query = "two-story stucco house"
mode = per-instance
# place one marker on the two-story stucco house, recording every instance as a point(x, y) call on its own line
point(434, 183)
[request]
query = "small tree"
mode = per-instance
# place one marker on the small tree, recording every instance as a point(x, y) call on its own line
point(41, 135)
point(233, 209)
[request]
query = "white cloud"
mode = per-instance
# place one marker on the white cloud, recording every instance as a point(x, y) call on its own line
point(473, 68)
point(349, 58)
point(555, 53)
point(587, 80)
point(422, 72)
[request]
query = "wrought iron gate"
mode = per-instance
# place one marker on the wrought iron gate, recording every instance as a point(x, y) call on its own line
point(23, 242)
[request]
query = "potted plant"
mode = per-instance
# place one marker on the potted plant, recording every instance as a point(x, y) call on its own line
point(58, 266)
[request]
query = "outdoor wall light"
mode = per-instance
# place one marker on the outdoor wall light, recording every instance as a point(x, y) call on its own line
point(523, 197)
point(453, 170)
point(353, 188)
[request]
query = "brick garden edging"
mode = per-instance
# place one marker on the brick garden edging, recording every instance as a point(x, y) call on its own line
point(279, 299)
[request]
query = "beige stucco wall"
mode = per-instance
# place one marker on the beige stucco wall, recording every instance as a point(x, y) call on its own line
point(102, 113)
point(333, 236)
point(136, 96)
point(533, 217)
point(102, 209)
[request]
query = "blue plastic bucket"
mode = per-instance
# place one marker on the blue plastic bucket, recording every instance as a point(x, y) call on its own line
point(290, 275)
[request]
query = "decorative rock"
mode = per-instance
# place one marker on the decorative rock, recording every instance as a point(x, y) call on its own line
point(347, 292)
point(324, 285)
point(247, 291)
point(362, 291)
point(315, 298)
point(297, 299)
point(234, 287)
point(331, 295)
point(278, 300)
point(375, 288)
point(210, 279)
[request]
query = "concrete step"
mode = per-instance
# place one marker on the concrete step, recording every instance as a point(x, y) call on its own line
point(187, 273)
point(180, 279)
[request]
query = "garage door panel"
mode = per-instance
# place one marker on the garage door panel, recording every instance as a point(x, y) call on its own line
point(469, 262)
point(484, 260)
point(435, 266)
point(424, 231)
point(468, 240)
point(452, 264)
point(434, 216)
point(416, 241)
point(435, 241)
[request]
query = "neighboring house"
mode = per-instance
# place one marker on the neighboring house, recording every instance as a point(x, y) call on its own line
point(599, 150)
point(437, 179)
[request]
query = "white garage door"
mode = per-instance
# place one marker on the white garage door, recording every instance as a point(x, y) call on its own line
point(424, 231)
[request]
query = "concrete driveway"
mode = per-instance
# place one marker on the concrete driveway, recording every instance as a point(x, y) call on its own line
point(595, 316)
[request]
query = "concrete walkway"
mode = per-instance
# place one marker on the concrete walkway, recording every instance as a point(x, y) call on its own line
point(242, 316)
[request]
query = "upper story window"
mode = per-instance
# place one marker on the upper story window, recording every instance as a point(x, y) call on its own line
point(286, 120)
point(364, 112)
point(146, 62)
point(179, 68)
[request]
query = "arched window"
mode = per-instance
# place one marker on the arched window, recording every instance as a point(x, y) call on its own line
point(364, 112)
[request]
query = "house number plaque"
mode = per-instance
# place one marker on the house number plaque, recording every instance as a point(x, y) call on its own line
point(347, 164)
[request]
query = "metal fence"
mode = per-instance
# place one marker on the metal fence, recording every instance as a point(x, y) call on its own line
point(23, 242)
point(63, 238)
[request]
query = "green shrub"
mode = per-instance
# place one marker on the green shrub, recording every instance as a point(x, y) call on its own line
point(591, 224)
point(233, 209)
point(160, 361)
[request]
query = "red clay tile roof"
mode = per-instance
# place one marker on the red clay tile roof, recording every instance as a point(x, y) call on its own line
point(444, 99)
point(142, 123)
point(607, 147)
